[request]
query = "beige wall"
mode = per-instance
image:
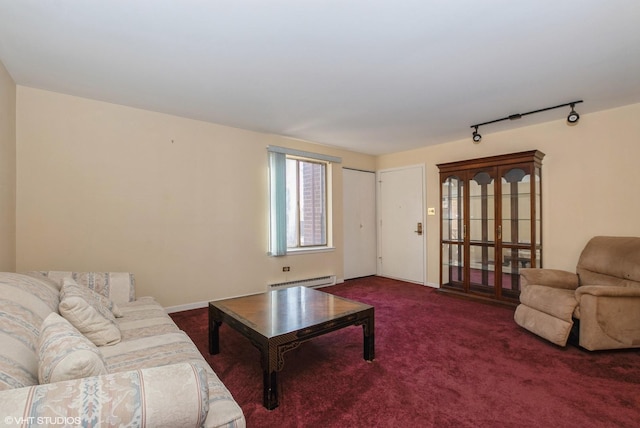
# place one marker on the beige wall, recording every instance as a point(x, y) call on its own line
point(7, 171)
point(590, 179)
point(181, 203)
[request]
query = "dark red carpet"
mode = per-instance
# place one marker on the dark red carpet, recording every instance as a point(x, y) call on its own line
point(440, 362)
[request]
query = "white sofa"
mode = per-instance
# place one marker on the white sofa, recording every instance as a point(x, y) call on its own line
point(152, 375)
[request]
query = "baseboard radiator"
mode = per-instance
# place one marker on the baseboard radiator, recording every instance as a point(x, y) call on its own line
point(321, 281)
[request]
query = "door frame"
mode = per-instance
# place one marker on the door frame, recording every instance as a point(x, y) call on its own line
point(422, 168)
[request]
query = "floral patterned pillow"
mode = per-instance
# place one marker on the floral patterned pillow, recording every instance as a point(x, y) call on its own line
point(64, 353)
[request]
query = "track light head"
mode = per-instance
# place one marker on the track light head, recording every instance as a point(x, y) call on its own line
point(476, 137)
point(573, 116)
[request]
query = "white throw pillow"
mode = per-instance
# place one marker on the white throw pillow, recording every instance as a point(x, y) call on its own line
point(64, 353)
point(84, 310)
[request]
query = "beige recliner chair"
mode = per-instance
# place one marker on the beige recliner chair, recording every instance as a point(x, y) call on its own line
point(603, 298)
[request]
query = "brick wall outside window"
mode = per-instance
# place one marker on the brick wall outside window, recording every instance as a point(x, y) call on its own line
point(313, 204)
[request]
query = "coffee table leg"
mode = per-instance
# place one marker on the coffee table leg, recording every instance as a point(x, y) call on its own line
point(368, 328)
point(268, 360)
point(270, 391)
point(214, 332)
point(214, 337)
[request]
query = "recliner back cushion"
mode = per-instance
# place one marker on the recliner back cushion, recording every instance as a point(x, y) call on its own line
point(610, 260)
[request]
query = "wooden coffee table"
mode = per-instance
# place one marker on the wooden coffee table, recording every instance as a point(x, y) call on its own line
point(280, 320)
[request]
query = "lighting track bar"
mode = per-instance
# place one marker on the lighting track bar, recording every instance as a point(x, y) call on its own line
point(519, 115)
point(572, 119)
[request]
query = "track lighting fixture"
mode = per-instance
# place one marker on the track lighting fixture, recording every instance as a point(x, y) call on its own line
point(572, 119)
point(476, 137)
point(573, 116)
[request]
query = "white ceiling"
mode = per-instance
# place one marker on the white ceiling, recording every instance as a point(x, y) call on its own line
point(373, 76)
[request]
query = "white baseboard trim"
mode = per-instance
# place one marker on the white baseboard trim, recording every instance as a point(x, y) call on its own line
point(338, 281)
point(186, 307)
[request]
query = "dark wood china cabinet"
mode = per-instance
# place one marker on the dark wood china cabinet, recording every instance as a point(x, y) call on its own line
point(491, 224)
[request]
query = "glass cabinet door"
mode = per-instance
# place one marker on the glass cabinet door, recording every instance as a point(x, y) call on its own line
point(516, 226)
point(537, 230)
point(453, 232)
point(482, 241)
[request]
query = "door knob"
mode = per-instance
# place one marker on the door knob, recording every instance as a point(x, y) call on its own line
point(419, 229)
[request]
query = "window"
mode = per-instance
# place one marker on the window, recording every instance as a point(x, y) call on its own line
point(299, 200)
point(306, 203)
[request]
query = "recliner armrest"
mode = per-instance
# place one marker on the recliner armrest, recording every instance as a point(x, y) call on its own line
point(549, 277)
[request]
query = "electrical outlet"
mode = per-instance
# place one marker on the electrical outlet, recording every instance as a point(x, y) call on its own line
point(286, 269)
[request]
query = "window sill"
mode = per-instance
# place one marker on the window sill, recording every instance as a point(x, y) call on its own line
point(308, 250)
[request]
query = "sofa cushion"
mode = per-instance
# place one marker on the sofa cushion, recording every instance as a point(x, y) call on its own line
point(150, 351)
point(150, 338)
point(64, 353)
point(171, 348)
point(81, 307)
point(24, 303)
point(144, 318)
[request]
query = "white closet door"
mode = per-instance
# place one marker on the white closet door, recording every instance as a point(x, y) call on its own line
point(359, 209)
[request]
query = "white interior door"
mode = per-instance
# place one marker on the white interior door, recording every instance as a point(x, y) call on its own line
point(401, 228)
point(359, 209)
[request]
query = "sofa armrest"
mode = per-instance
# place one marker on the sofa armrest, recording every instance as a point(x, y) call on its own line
point(607, 291)
point(118, 287)
point(549, 277)
point(168, 396)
